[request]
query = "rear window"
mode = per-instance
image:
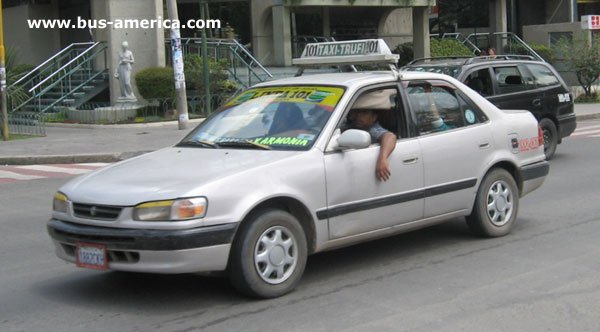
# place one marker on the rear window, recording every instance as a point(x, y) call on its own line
point(542, 75)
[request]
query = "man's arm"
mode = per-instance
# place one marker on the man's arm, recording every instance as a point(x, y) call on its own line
point(388, 144)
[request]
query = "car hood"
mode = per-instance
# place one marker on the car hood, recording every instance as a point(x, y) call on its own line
point(165, 174)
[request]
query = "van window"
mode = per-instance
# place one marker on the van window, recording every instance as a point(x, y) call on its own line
point(480, 81)
point(542, 75)
point(510, 79)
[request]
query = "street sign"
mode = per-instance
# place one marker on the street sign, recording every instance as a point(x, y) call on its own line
point(590, 22)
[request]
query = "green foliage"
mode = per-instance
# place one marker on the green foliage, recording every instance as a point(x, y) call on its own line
point(439, 48)
point(218, 77)
point(406, 53)
point(156, 83)
point(542, 50)
point(592, 98)
point(583, 58)
point(448, 47)
point(14, 71)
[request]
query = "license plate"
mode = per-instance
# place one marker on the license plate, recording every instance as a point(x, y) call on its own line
point(91, 256)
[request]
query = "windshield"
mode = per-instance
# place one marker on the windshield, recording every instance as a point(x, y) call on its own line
point(281, 118)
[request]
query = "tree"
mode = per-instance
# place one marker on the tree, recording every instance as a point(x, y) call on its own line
point(583, 57)
point(14, 71)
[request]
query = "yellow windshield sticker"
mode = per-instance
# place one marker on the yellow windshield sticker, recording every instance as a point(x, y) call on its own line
point(324, 96)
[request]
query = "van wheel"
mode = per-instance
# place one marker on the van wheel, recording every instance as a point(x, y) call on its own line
point(550, 137)
point(269, 255)
point(496, 205)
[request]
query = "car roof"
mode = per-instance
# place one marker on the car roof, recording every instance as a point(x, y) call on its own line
point(469, 61)
point(353, 79)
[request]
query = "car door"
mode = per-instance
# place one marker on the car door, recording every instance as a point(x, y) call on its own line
point(556, 99)
point(455, 154)
point(514, 88)
point(358, 202)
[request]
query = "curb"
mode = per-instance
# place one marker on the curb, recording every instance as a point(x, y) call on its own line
point(192, 122)
point(69, 159)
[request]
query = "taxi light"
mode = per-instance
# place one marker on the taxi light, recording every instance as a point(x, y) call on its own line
point(60, 202)
point(354, 52)
point(171, 210)
point(540, 136)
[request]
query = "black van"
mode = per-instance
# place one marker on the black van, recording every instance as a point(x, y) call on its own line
point(514, 82)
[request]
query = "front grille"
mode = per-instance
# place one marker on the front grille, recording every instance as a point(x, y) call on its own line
point(101, 212)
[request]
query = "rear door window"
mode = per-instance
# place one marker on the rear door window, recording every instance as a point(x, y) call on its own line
point(439, 106)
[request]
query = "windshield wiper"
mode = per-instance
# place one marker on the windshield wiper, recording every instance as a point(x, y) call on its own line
point(205, 144)
point(244, 144)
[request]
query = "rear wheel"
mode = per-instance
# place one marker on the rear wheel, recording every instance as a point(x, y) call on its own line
point(269, 255)
point(550, 137)
point(496, 205)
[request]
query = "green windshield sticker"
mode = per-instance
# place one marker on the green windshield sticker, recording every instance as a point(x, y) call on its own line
point(281, 141)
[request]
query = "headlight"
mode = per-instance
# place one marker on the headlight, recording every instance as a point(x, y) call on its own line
point(60, 202)
point(178, 209)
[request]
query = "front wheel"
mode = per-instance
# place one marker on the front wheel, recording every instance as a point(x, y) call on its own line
point(269, 255)
point(550, 137)
point(496, 205)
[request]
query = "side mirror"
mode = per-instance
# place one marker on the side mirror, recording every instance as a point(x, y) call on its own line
point(354, 139)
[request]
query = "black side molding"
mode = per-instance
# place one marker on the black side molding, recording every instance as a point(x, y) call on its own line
point(395, 199)
point(535, 171)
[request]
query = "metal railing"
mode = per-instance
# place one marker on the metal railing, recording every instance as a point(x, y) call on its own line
point(26, 123)
point(511, 43)
point(62, 83)
point(49, 66)
point(242, 66)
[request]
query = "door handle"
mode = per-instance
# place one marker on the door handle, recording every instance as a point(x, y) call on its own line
point(537, 102)
point(484, 145)
point(410, 160)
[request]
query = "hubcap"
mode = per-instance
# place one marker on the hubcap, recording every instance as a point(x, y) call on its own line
point(276, 255)
point(499, 203)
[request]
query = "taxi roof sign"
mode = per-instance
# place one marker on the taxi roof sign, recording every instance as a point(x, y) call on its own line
point(346, 53)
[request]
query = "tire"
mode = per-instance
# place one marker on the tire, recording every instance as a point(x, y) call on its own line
point(496, 205)
point(550, 137)
point(268, 255)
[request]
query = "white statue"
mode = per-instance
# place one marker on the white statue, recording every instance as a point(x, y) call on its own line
point(123, 73)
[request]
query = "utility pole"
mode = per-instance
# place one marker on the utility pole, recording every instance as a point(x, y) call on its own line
point(3, 99)
point(177, 56)
point(205, 69)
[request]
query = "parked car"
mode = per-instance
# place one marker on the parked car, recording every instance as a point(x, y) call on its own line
point(271, 178)
point(514, 82)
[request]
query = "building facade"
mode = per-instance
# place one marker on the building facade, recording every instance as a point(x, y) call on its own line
point(279, 28)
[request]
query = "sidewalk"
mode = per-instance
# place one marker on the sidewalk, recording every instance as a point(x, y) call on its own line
point(68, 143)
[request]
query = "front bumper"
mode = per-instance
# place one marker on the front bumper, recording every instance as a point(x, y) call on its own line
point(533, 176)
point(200, 249)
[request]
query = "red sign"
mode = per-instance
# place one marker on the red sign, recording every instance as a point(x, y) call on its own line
point(590, 22)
